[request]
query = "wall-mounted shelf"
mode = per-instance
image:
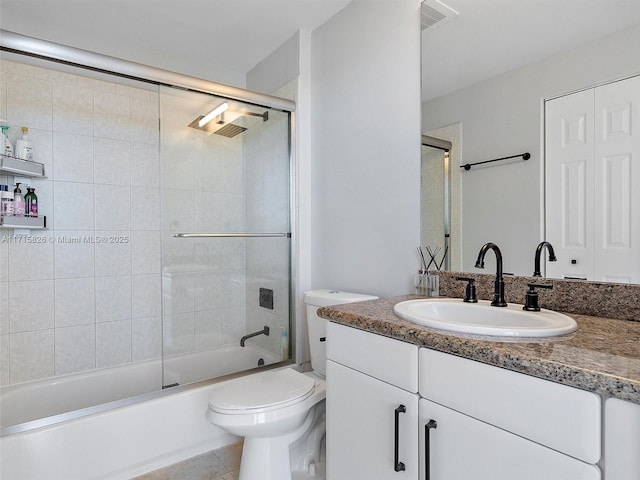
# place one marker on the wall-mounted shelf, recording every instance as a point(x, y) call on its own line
point(31, 223)
point(23, 168)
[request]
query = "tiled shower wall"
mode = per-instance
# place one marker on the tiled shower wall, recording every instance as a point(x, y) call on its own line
point(69, 305)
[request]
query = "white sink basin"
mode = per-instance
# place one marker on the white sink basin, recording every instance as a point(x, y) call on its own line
point(483, 319)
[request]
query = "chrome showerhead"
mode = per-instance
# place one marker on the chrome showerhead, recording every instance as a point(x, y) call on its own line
point(222, 125)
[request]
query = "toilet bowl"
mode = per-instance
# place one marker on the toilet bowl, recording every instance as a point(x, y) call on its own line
point(281, 412)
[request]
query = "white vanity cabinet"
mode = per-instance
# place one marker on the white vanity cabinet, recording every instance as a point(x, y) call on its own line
point(621, 440)
point(496, 424)
point(372, 406)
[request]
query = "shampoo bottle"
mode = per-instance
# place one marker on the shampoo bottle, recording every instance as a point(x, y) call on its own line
point(31, 202)
point(284, 344)
point(24, 148)
point(5, 145)
point(18, 201)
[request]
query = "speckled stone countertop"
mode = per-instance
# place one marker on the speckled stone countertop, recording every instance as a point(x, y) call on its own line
point(602, 356)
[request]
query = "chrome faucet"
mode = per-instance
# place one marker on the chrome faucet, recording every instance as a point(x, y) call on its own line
point(498, 293)
point(552, 257)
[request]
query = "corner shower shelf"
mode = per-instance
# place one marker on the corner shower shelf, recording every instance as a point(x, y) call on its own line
point(23, 168)
point(30, 223)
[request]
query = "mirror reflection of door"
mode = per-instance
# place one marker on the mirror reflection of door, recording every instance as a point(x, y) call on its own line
point(592, 184)
point(435, 201)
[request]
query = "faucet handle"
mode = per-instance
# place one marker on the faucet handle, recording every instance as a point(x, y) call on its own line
point(531, 299)
point(470, 291)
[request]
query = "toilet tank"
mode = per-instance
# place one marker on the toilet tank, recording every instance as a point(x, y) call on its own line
point(317, 326)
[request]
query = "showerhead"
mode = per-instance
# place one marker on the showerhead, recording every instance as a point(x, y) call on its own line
point(222, 124)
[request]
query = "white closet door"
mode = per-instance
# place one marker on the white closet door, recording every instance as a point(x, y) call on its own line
point(569, 205)
point(617, 182)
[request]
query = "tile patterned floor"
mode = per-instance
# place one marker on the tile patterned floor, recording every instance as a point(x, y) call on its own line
point(220, 464)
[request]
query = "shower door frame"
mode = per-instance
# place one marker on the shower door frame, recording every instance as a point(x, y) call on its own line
point(23, 45)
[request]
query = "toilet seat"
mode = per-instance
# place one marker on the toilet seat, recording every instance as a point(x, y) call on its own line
point(261, 392)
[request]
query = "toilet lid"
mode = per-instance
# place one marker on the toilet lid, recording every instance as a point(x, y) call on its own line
point(274, 388)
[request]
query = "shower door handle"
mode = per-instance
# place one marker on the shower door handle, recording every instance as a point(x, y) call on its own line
point(232, 235)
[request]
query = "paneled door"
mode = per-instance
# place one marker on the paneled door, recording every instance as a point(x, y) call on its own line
point(592, 169)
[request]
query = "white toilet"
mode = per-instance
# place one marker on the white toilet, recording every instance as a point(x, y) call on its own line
point(281, 413)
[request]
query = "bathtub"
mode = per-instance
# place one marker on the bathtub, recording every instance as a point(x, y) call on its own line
point(42, 399)
point(123, 439)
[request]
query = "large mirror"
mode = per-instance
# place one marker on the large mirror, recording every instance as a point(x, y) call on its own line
point(486, 79)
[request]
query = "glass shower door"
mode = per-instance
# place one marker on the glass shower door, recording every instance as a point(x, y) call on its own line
point(226, 242)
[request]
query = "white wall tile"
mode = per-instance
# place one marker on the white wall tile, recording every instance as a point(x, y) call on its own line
point(145, 209)
point(208, 329)
point(113, 253)
point(113, 343)
point(72, 109)
point(4, 307)
point(111, 116)
point(146, 340)
point(4, 360)
point(234, 324)
point(31, 258)
point(72, 157)
point(145, 165)
point(73, 206)
point(75, 349)
point(147, 296)
point(145, 252)
point(74, 254)
point(29, 102)
point(31, 305)
point(178, 292)
point(112, 161)
point(31, 355)
point(112, 207)
point(4, 257)
point(178, 333)
point(144, 118)
point(113, 298)
point(75, 301)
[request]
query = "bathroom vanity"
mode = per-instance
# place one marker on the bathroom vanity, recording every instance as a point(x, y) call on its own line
point(450, 406)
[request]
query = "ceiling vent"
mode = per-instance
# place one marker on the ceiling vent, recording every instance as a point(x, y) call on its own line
point(436, 14)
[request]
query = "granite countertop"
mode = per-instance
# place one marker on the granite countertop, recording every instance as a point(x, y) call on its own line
point(602, 356)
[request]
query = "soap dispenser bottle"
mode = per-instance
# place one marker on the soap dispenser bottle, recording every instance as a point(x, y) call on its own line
point(6, 146)
point(24, 147)
point(18, 201)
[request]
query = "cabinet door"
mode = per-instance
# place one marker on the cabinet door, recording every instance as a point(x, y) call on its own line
point(621, 440)
point(460, 447)
point(363, 415)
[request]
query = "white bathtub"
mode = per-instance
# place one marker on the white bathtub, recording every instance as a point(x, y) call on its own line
point(125, 440)
point(31, 401)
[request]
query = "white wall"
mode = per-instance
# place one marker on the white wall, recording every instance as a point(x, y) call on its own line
point(365, 148)
point(502, 116)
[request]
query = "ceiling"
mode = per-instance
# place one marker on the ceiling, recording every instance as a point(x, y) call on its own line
point(490, 37)
point(204, 38)
point(223, 39)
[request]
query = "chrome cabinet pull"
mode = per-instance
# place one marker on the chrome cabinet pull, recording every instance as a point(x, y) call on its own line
point(398, 466)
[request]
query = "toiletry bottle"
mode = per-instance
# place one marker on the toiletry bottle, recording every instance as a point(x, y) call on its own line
point(24, 148)
point(18, 201)
point(6, 201)
point(284, 344)
point(6, 146)
point(31, 202)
